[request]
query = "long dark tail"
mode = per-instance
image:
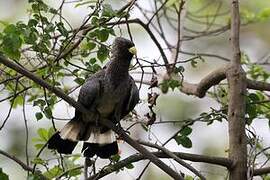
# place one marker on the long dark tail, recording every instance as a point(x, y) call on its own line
point(66, 140)
point(102, 143)
point(101, 150)
point(96, 141)
point(64, 146)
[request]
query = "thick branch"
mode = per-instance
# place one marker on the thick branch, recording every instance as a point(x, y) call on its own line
point(215, 78)
point(258, 85)
point(82, 109)
point(138, 157)
point(237, 106)
point(207, 82)
point(261, 171)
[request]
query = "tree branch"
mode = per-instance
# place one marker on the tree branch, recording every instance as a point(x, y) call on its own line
point(173, 156)
point(138, 157)
point(22, 164)
point(237, 81)
point(207, 82)
point(261, 171)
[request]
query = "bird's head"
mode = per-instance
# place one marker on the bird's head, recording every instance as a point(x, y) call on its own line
point(123, 48)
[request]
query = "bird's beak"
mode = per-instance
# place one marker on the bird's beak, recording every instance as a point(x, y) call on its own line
point(133, 50)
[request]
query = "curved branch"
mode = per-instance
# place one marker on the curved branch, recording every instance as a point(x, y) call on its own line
point(138, 157)
point(215, 78)
point(22, 164)
point(207, 82)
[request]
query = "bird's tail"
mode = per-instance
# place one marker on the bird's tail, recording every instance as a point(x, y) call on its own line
point(103, 144)
point(96, 140)
point(66, 140)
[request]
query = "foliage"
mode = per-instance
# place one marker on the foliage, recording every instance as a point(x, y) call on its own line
point(3, 176)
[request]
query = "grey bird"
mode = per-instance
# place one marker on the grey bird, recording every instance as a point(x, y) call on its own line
point(111, 93)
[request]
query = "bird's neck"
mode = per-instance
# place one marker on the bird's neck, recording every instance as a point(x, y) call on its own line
point(117, 71)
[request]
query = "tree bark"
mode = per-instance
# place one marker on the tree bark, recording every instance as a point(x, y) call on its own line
point(236, 113)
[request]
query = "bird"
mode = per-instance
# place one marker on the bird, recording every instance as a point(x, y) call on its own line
point(110, 93)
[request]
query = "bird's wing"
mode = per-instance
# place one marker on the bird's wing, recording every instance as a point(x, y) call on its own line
point(76, 128)
point(131, 99)
point(91, 89)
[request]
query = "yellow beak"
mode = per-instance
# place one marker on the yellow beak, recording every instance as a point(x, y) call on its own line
point(133, 50)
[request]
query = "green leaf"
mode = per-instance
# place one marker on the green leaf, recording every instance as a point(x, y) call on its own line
point(94, 21)
point(96, 67)
point(32, 23)
point(172, 83)
point(48, 112)
point(39, 115)
point(61, 28)
point(111, 31)
point(184, 141)
point(38, 146)
point(91, 46)
point(88, 46)
point(43, 133)
point(254, 97)
point(102, 53)
point(53, 172)
point(38, 160)
point(189, 177)
point(30, 36)
point(18, 101)
point(108, 11)
point(164, 87)
point(251, 110)
point(74, 172)
point(129, 166)
point(39, 102)
point(103, 35)
point(115, 158)
point(53, 11)
point(79, 81)
point(93, 60)
point(186, 131)
point(11, 44)
point(3, 176)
